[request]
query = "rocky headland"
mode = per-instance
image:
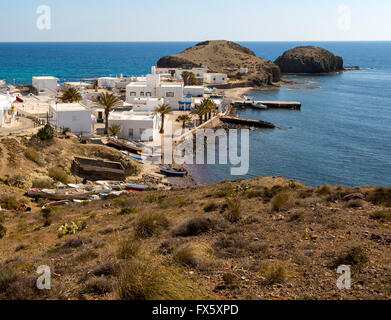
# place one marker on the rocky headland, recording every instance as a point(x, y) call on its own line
point(226, 57)
point(309, 59)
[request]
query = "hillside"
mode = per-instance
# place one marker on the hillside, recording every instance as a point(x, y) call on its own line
point(266, 238)
point(225, 57)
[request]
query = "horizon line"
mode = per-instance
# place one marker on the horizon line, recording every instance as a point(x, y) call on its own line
point(187, 41)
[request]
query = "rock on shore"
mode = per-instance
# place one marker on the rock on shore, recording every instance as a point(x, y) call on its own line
point(225, 57)
point(309, 60)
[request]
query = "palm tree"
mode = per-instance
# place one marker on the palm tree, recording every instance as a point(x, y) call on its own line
point(114, 129)
point(184, 118)
point(210, 106)
point(189, 78)
point(163, 110)
point(201, 110)
point(108, 101)
point(71, 95)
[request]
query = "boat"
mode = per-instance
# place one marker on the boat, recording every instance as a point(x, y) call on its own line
point(173, 172)
point(260, 106)
point(124, 145)
point(65, 194)
point(136, 187)
point(133, 156)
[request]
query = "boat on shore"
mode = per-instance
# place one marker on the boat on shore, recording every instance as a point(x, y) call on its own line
point(126, 145)
point(136, 187)
point(173, 172)
point(260, 106)
point(64, 194)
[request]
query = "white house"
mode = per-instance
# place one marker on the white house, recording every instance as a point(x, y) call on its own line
point(154, 87)
point(215, 78)
point(141, 126)
point(45, 85)
point(146, 104)
point(176, 73)
point(194, 91)
point(78, 85)
point(75, 116)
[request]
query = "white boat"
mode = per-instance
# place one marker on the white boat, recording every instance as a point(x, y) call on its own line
point(260, 106)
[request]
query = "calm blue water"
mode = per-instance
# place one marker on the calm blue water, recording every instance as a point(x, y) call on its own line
point(342, 135)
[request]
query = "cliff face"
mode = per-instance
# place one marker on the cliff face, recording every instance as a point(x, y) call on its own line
point(309, 60)
point(225, 57)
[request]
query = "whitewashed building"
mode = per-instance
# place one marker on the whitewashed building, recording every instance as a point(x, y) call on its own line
point(45, 84)
point(193, 91)
point(154, 87)
point(75, 116)
point(141, 126)
point(215, 78)
point(176, 73)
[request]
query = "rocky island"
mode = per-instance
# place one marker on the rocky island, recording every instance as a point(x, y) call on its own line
point(226, 57)
point(309, 59)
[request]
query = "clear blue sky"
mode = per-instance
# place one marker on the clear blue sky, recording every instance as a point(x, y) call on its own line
point(193, 20)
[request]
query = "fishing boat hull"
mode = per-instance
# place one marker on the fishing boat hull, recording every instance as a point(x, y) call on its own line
point(173, 172)
point(136, 187)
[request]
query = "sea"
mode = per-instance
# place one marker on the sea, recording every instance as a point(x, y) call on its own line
point(342, 134)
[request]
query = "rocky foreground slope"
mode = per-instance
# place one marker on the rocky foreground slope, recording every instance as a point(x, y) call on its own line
point(225, 57)
point(266, 238)
point(309, 59)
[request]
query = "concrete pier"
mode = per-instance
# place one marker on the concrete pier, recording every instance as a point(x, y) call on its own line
point(294, 105)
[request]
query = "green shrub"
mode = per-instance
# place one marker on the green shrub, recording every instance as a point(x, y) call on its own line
point(381, 215)
point(10, 203)
point(6, 278)
point(152, 280)
point(224, 193)
point(188, 256)
point(32, 155)
point(279, 201)
point(127, 210)
point(149, 224)
point(276, 273)
point(356, 257)
point(380, 196)
point(324, 190)
point(46, 133)
point(128, 249)
point(233, 211)
point(3, 231)
point(211, 206)
point(58, 174)
point(42, 183)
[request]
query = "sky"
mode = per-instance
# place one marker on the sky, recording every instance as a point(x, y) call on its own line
point(195, 20)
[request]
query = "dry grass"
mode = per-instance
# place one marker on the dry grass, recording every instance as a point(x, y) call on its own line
point(128, 249)
point(149, 224)
point(58, 174)
point(150, 279)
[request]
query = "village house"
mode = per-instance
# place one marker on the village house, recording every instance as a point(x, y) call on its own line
point(176, 73)
point(141, 126)
point(154, 87)
point(73, 116)
point(215, 78)
point(45, 85)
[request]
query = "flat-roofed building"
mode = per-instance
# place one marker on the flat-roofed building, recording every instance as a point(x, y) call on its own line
point(45, 84)
point(74, 116)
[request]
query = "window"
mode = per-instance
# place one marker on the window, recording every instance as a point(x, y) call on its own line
point(133, 94)
point(223, 79)
point(148, 94)
point(170, 94)
point(214, 79)
point(142, 94)
point(130, 133)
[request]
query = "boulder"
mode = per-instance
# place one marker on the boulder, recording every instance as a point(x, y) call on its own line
point(309, 60)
